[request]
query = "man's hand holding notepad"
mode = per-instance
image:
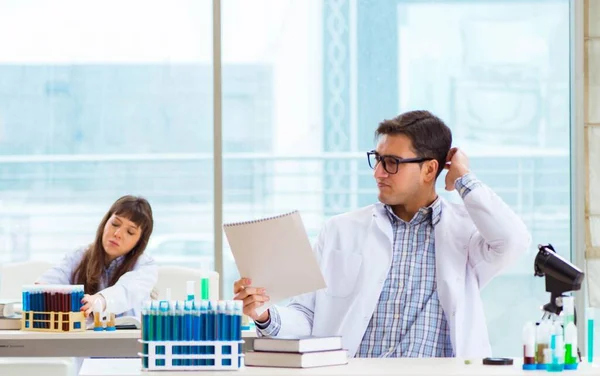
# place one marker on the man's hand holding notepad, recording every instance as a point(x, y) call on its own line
point(275, 254)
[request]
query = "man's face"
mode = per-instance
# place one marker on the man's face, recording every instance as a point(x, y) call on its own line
point(404, 185)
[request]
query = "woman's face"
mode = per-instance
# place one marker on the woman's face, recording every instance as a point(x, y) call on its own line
point(119, 237)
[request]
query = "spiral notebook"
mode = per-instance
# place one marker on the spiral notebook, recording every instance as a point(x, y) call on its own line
point(276, 254)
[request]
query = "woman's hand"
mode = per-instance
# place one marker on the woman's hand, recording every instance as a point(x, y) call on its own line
point(89, 301)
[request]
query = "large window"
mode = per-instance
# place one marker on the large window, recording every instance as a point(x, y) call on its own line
point(96, 103)
point(98, 100)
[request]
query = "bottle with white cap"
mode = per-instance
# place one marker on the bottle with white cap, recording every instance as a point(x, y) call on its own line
point(529, 346)
point(542, 344)
point(570, 333)
point(557, 349)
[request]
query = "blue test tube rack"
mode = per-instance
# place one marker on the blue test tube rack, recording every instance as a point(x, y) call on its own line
point(192, 335)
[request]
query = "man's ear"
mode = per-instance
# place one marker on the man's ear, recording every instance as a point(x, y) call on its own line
point(430, 169)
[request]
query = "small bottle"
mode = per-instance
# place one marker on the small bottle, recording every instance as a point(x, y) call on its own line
point(557, 350)
point(570, 333)
point(529, 347)
point(542, 338)
point(570, 346)
point(98, 319)
point(110, 322)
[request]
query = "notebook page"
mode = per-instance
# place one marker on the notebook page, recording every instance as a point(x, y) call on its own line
point(276, 254)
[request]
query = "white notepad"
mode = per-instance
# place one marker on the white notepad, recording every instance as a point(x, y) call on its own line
point(275, 253)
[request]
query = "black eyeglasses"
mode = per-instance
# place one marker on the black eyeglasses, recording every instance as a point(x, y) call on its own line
point(390, 163)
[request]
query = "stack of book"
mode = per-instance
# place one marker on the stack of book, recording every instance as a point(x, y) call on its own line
point(9, 320)
point(297, 352)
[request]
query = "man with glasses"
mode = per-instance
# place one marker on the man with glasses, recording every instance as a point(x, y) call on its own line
point(404, 275)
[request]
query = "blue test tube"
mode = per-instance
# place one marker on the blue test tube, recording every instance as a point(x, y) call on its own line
point(188, 328)
point(146, 330)
point(164, 328)
point(212, 329)
point(236, 329)
point(198, 330)
point(155, 328)
point(220, 324)
point(227, 328)
point(24, 298)
point(205, 328)
point(79, 296)
point(178, 329)
point(590, 335)
point(34, 304)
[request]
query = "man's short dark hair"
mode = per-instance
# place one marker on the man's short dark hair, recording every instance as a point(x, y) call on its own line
point(430, 137)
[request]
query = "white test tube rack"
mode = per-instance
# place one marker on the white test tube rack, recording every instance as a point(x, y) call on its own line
point(169, 356)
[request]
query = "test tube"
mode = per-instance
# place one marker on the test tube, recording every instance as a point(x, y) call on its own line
point(205, 326)
point(590, 334)
point(163, 328)
point(238, 312)
point(205, 291)
point(198, 330)
point(188, 329)
point(228, 324)
point(177, 327)
point(190, 290)
point(146, 331)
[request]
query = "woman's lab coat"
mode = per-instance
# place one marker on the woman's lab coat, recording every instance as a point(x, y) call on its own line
point(125, 298)
point(473, 243)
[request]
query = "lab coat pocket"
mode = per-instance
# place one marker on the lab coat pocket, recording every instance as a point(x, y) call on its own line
point(341, 273)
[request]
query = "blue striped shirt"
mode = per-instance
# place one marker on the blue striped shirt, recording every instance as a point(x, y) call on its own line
point(408, 320)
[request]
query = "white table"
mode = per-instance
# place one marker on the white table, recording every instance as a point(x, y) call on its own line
point(117, 344)
point(397, 366)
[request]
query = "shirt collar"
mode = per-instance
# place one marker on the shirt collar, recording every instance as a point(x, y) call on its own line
point(430, 213)
point(114, 264)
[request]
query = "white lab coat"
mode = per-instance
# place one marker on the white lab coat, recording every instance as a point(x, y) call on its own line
point(473, 243)
point(125, 298)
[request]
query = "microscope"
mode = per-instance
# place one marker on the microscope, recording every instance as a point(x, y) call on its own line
point(561, 277)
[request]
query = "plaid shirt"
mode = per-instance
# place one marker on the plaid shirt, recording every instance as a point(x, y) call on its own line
point(408, 320)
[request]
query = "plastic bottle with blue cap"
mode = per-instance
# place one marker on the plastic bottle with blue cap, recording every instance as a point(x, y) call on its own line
point(557, 349)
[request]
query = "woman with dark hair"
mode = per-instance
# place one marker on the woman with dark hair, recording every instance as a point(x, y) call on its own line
point(113, 269)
